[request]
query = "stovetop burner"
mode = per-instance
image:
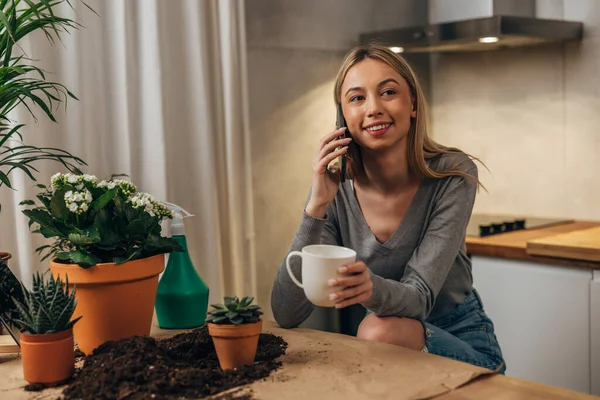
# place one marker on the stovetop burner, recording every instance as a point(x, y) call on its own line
point(486, 224)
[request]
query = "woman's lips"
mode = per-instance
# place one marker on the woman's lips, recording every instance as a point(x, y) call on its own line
point(378, 130)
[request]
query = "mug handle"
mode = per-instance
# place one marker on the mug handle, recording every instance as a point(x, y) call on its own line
point(289, 269)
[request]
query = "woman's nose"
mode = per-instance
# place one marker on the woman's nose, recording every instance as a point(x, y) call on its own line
point(374, 107)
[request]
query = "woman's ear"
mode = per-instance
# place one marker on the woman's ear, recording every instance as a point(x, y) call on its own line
point(413, 113)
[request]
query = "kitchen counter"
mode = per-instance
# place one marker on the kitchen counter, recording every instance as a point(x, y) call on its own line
point(342, 367)
point(540, 280)
point(513, 245)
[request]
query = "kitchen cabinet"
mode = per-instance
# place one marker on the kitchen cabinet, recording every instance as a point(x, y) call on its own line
point(547, 320)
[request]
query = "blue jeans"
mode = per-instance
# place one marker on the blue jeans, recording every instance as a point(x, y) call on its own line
point(466, 334)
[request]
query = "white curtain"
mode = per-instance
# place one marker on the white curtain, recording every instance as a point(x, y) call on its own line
point(162, 97)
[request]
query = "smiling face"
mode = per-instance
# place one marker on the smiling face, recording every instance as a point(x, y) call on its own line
point(377, 105)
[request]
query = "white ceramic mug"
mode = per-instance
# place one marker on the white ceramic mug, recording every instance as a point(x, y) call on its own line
point(320, 263)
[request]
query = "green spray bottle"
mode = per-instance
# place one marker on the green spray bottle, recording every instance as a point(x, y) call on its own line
point(182, 296)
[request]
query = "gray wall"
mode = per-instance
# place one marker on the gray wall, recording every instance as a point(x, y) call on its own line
point(532, 115)
point(294, 51)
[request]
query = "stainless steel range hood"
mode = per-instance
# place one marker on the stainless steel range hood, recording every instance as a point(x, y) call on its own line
point(463, 26)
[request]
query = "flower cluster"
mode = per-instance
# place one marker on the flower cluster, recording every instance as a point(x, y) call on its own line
point(78, 201)
point(126, 187)
point(78, 181)
point(150, 205)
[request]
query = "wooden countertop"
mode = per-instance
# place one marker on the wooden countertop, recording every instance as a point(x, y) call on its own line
point(320, 364)
point(513, 245)
point(499, 387)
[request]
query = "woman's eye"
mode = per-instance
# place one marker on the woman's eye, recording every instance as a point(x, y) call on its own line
point(357, 98)
point(389, 92)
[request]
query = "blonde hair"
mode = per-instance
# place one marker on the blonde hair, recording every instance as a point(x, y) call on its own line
point(420, 147)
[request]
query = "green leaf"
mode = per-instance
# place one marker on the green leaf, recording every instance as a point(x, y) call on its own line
point(103, 200)
point(230, 300)
point(27, 203)
point(232, 315)
point(73, 322)
point(84, 259)
point(151, 224)
point(45, 200)
point(130, 213)
point(119, 204)
point(48, 233)
point(4, 179)
point(39, 249)
point(44, 219)
point(90, 236)
point(136, 230)
point(237, 321)
point(218, 320)
point(154, 244)
point(133, 256)
point(58, 207)
point(103, 222)
point(246, 301)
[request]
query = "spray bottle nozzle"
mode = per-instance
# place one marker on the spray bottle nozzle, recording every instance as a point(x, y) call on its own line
point(177, 227)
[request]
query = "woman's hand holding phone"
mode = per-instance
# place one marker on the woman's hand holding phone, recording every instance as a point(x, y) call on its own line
point(325, 183)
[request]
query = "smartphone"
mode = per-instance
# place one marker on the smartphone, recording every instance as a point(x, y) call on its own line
point(341, 123)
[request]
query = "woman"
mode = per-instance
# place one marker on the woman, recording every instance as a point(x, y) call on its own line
point(404, 210)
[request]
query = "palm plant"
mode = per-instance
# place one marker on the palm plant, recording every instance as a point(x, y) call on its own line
point(26, 84)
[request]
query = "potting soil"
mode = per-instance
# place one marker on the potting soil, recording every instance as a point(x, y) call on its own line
point(184, 366)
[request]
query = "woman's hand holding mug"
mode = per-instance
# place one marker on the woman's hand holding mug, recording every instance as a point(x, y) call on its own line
point(355, 278)
point(320, 264)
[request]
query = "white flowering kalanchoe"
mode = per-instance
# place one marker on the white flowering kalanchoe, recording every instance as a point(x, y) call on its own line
point(126, 187)
point(78, 201)
point(78, 181)
point(150, 205)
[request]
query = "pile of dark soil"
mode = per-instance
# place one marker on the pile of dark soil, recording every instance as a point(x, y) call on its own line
point(183, 366)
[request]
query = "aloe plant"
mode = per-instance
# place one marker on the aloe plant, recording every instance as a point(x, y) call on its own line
point(24, 84)
point(235, 312)
point(48, 307)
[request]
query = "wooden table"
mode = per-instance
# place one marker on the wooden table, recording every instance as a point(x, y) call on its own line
point(326, 365)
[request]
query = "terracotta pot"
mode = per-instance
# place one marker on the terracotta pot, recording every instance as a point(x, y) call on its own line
point(48, 358)
point(116, 301)
point(235, 344)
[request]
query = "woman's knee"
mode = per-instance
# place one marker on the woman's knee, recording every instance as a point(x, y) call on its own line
point(374, 329)
point(404, 332)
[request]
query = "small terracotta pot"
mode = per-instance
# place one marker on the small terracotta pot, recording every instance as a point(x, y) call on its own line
point(235, 344)
point(116, 301)
point(48, 358)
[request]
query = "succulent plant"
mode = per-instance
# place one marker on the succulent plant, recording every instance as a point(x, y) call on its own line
point(47, 308)
point(235, 312)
